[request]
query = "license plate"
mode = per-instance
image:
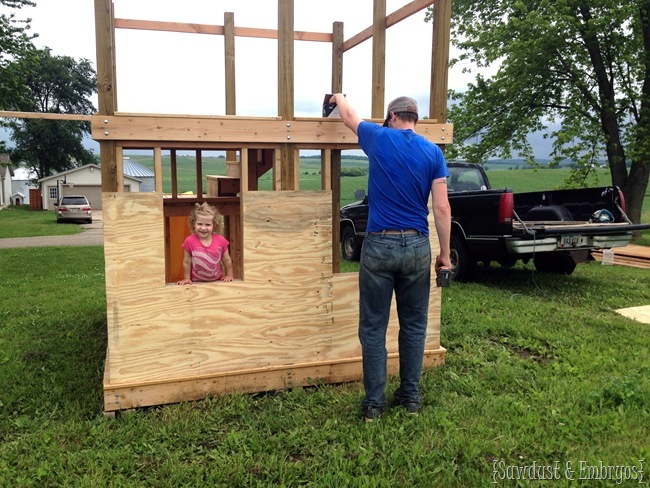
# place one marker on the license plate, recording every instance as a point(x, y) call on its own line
point(572, 241)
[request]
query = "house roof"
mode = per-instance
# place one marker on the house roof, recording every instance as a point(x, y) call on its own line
point(5, 170)
point(74, 170)
point(67, 172)
point(131, 168)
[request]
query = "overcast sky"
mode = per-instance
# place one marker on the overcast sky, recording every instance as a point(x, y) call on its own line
point(183, 73)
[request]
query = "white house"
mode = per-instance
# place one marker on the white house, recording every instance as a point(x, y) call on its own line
point(5, 180)
point(85, 180)
point(21, 183)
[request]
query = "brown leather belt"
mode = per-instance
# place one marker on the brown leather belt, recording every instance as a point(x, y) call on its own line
point(406, 232)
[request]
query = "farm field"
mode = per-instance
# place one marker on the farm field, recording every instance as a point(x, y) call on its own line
point(520, 180)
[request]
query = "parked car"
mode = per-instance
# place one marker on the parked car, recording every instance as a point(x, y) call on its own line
point(74, 208)
point(555, 228)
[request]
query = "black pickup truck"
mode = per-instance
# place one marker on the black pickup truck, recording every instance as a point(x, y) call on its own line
point(556, 229)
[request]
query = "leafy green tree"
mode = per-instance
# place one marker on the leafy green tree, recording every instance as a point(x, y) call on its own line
point(15, 42)
point(56, 84)
point(581, 64)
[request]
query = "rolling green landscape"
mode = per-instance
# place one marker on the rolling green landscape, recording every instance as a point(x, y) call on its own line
point(517, 176)
point(520, 180)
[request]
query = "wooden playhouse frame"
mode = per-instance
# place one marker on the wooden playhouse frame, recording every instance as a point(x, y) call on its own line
point(289, 318)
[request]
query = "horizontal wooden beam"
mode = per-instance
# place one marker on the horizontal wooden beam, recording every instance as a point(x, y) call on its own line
point(43, 115)
point(241, 131)
point(391, 19)
point(154, 25)
point(134, 395)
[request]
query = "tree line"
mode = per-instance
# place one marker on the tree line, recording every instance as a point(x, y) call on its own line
point(33, 80)
point(580, 65)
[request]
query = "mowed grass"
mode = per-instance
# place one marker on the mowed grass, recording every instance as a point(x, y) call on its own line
point(22, 222)
point(540, 369)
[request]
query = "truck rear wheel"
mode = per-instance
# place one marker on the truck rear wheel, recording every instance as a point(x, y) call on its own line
point(350, 245)
point(462, 260)
point(554, 262)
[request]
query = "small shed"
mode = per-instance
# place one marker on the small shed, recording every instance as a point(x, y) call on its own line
point(19, 198)
point(21, 184)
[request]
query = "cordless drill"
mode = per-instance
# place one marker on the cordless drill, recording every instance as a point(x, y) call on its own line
point(443, 277)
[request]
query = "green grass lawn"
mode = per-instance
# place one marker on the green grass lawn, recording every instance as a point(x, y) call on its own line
point(22, 222)
point(540, 369)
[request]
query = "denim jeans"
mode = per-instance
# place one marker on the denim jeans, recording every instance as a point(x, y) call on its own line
point(401, 264)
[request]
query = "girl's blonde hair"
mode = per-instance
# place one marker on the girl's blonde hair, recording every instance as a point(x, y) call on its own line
point(206, 210)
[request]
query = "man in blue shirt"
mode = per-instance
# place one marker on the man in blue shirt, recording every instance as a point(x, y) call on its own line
point(405, 168)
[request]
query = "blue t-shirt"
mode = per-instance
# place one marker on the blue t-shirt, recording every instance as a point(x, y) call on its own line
point(403, 165)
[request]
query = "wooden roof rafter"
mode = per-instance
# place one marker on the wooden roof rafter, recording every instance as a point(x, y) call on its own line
point(193, 28)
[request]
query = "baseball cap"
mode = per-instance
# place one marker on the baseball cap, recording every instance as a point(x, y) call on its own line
point(400, 105)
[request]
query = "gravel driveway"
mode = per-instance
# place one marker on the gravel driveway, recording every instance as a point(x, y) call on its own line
point(93, 235)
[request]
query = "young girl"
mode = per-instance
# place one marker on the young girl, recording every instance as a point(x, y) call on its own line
point(205, 249)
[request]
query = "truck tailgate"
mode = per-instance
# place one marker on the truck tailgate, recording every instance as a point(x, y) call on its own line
point(573, 227)
point(569, 236)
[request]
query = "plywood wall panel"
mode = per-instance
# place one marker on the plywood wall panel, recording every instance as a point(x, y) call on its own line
point(134, 237)
point(285, 316)
point(287, 236)
point(248, 335)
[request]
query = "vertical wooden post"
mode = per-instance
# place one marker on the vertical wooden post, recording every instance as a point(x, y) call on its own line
point(440, 61)
point(337, 57)
point(286, 88)
point(172, 158)
point(326, 169)
point(243, 156)
point(331, 162)
point(335, 172)
point(199, 173)
point(157, 168)
point(107, 100)
point(277, 164)
point(255, 159)
point(378, 58)
point(119, 168)
point(231, 98)
point(296, 168)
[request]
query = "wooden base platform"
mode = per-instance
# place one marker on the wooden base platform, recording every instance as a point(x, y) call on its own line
point(134, 395)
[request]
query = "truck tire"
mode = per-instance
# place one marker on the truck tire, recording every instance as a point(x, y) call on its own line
point(462, 260)
point(350, 245)
point(554, 262)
